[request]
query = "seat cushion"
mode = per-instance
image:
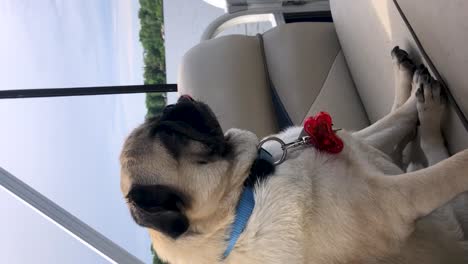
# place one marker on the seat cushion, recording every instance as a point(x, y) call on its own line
point(339, 98)
point(369, 29)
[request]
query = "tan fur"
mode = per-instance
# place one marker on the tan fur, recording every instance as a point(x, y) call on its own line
point(353, 207)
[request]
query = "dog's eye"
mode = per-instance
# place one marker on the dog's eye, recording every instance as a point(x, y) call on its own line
point(202, 162)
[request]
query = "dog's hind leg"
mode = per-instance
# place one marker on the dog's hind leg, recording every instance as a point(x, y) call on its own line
point(431, 105)
point(408, 197)
point(409, 153)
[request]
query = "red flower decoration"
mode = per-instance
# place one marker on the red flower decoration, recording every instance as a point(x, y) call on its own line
point(321, 133)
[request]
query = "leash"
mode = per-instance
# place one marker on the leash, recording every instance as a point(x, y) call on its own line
point(317, 132)
point(431, 66)
point(301, 141)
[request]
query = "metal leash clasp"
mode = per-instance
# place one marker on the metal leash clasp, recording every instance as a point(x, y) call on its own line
point(305, 140)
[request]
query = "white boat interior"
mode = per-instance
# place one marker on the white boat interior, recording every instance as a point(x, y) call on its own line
point(326, 56)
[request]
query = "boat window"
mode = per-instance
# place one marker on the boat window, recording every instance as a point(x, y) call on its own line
point(252, 28)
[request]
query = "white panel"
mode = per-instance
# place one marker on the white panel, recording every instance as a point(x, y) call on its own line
point(27, 237)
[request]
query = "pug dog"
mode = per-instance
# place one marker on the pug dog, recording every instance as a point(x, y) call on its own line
point(182, 178)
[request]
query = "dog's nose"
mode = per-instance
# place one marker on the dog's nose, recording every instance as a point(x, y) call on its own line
point(185, 98)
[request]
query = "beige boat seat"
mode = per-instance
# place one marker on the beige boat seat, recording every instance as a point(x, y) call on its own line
point(369, 29)
point(310, 70)
point(304, 67)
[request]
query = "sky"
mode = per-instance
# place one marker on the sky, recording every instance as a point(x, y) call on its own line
point(67, 148)
point(80, 42)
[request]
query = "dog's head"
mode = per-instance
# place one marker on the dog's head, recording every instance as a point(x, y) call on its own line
point(179, 168)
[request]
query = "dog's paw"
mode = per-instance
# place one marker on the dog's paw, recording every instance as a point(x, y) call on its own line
point(402, 61)
point(403, 68)
point(431, 102)
point(420, 77)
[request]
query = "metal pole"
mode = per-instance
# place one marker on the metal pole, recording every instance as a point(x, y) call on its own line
point(69, 223)
point(82, 91)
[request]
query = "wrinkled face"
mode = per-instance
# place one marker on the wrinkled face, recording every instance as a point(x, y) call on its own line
point(176, 167)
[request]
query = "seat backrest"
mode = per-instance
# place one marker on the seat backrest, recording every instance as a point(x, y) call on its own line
point(228, 74)
point(309, 73)
point(306, 67)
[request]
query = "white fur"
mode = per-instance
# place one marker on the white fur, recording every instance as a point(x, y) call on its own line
point(357, 206)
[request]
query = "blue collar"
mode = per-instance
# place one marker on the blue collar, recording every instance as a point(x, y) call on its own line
point(262, 167)
point(243, 213)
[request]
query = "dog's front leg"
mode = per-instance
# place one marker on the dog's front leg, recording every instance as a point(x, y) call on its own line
point(389, 131)
point(413, 195)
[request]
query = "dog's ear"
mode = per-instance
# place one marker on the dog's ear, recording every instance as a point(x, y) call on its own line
point(189, 120)
point(160, 208)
